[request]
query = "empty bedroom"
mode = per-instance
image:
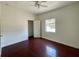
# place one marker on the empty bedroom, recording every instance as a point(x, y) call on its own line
point(39, 28)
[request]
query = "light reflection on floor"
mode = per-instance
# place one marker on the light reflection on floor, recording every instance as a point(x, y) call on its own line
point(51, 51)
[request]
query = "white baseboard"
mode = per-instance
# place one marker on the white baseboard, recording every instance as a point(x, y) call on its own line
point(61, 42)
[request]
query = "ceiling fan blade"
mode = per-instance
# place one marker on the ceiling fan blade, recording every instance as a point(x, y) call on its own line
point(43, 5)
point(43, 1)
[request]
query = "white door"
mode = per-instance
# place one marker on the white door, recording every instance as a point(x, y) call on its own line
point(36, 28)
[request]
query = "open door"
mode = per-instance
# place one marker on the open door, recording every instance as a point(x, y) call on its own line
point(30, 29)
point(36, 28)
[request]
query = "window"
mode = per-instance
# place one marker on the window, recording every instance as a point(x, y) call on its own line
point(50, 25)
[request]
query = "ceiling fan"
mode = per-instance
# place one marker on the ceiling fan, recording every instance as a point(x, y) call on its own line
point(39, 4)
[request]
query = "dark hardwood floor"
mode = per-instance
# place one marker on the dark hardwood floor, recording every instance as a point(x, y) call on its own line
point(39, 47)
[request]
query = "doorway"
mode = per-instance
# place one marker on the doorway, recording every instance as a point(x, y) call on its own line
point(30, 29)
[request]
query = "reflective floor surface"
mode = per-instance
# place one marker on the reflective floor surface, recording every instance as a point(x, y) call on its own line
point(39, 47)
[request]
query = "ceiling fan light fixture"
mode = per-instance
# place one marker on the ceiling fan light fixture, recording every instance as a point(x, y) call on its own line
point(38, 4)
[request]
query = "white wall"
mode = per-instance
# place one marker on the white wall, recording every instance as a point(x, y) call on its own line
point(0, 29)
point(14, 25)
point(67, 25)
